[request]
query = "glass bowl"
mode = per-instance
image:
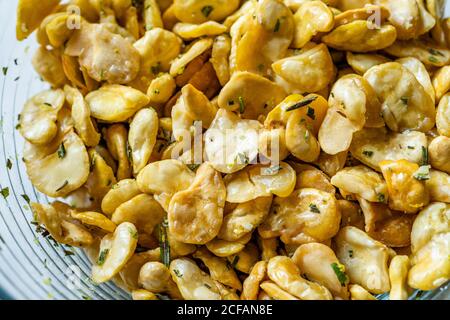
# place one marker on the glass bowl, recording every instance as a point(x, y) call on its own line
point(31, 266)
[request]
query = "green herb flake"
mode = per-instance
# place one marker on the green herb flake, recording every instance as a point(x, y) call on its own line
point(48, 104)
point(433, 59)
point(404, 100)
point(367, 153)
point(156, 68)
point(235, 261)
point(241, 104)
point(193, 166)
point(61, 151)
point(47, 281)
point(314, 208)
point(277, 26)
point(156, 91)
point(423, 173)
point(302, 103)
point(435, 52)
point(8, 164)
point(206, 10)
point(310, 113)
point(5, 192)
point(411, 147)
point(230, 102)
point(102, 257)
point(68, 253)
point(381, 198)
point(164, 243)
point(133, 233)
point(26, 198)
point(350, 253)
point(419, 295)
point(18, 126)
point(86, 297)
point(5, 70)
point(424, 156)
point(63, 186)
point(207, 285)
point(339, 270)
point(178, 273)
point(261, 67)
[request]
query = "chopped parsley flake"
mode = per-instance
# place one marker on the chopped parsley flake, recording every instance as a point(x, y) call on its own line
point(423, 173)
point(424, 156)
point(241, 104)
point(156, 68)
point(411, 147)
point(133, 233)
point(368, 153)
point(277, 26)
point(242, 158)
point(235, 261)
point(206, 10)
point(193, 166)
point(178, 273)
point(5, 70)
point(102, 257)
point(86, 297)
point(302, 103)
point(5, 192)
point(61, 151)
point(230, 102)
point(26, 198)
point(350, 253)
point(313, 208)
point(63, 186)
point(8, 164)
point(164, 244)
point(433, 59)
point(404, 100)
point(381, 197)
point(310, 113)
point(435, 52)
point(207, 285)
point(339, 270)
point(156, 91)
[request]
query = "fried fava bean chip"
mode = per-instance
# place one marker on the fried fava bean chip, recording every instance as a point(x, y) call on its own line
point(195, 214)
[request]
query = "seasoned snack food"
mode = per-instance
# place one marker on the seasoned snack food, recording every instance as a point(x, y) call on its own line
point(259, 149)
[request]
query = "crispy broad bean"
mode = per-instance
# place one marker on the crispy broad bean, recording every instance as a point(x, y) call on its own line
point(115, 103)
point(361, 181)
point(359, 293)
point(311, 177)
point(443, 116)
point(44, 164)
point(245, 218)
point(142, 210)
point(219, 269)
point(116, 139)
point(38, 116)
point(307, 215)
point(398, 275)
point(155, 277)
point(220, 58)
point(49, 65)
point(193, 11)
point(57, 221)
point(141, 294)
point(438, 186)
point(351, 214)
point(119, 193)
point(191, 281)
point(223, 248)
point(373, 145)
point(441, 82)
point(418, 69)
point(391, 228)
point(284, 272)
point(196, 49)
point(30, 14)
point(250, 287)
point(428, 52)
point(196, 214)
point(268, 248)
point(120, 247)
point(95, 219)
point(142, 137)
point(81, 116)
point(406, 104)
point(152, 15)
point(360, 36)
point(161, 89)
point(189, 31)
point(365, 260)
point(245, 259)
point(250, 94)
point(406, 188)
point(315, 61)
point(273, 291)
point(361, 62)
point(101, 176)
point(260, 181)
point(439, 153)
point(311, 18)
point(317, 261)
